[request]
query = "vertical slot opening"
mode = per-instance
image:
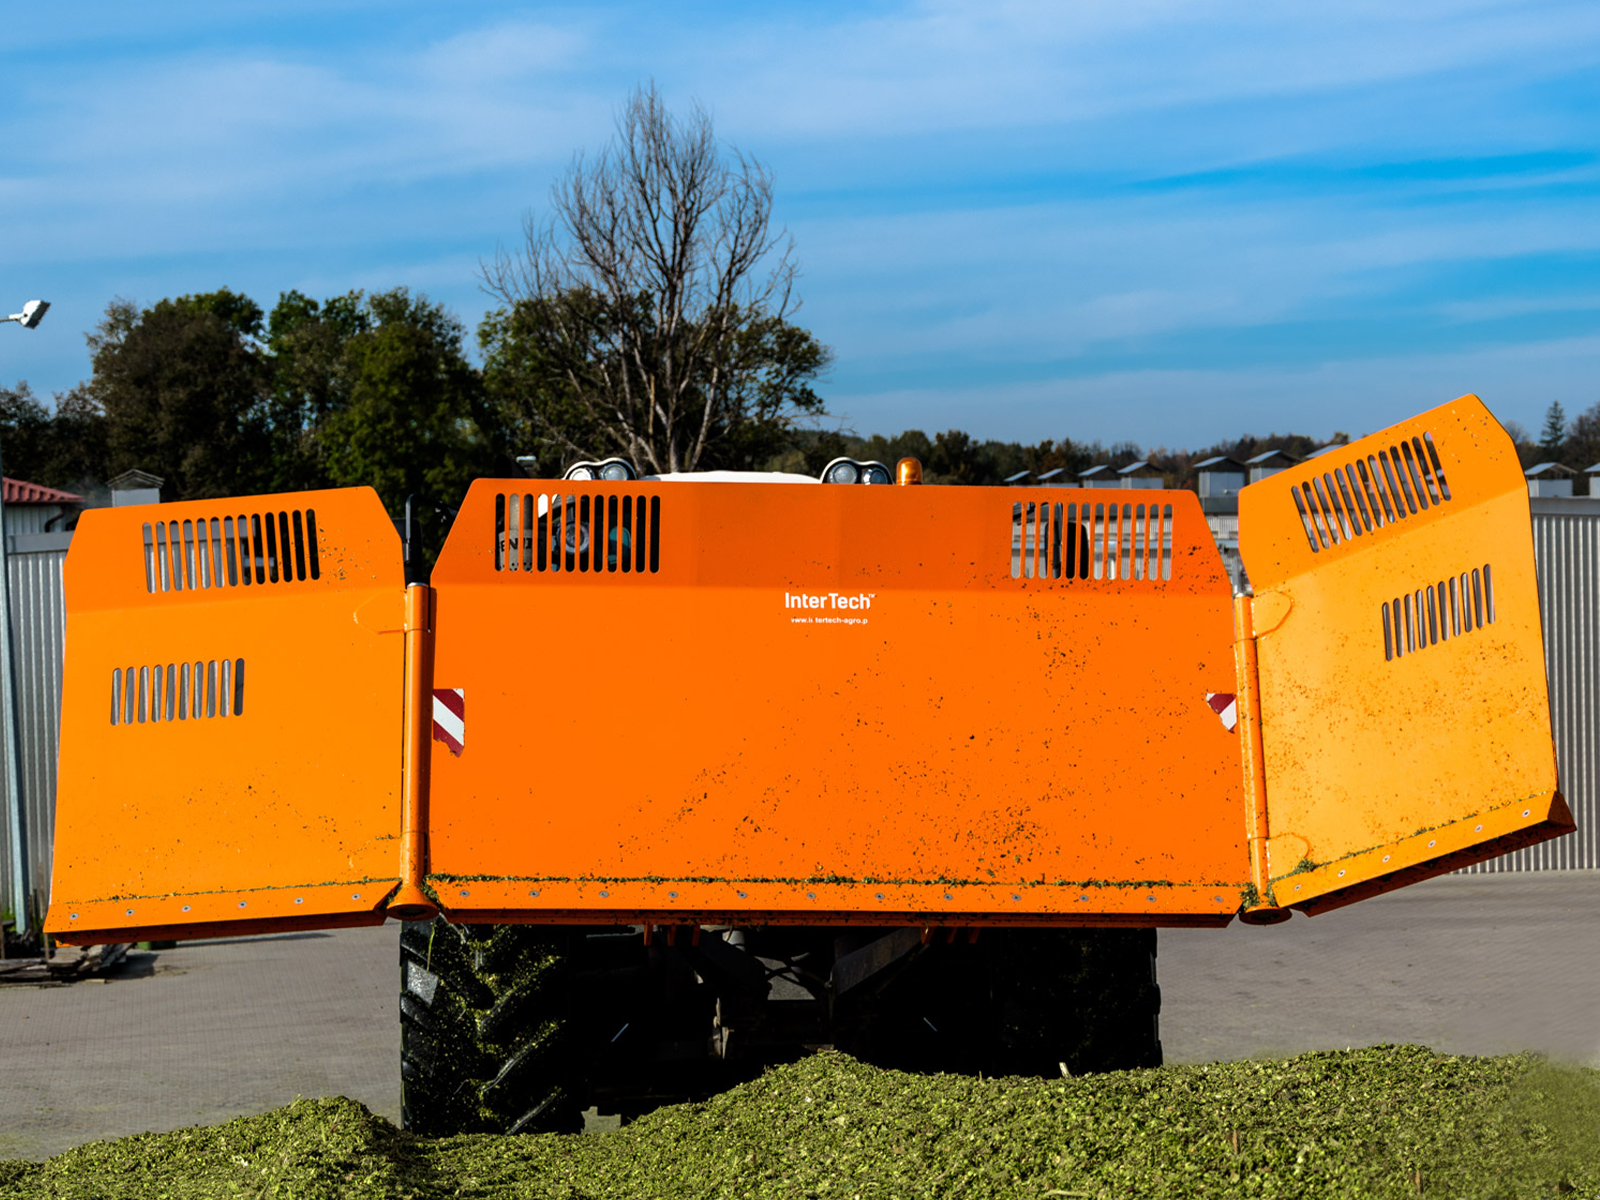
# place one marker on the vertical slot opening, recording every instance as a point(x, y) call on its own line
point(116, 695)
point(149, 558)
point(1410, 459)
point(625, 536)
point(655, 534)
point(1030, 539)
point(1477, 599)
point(230, 540)
point(185, 687)
point(1411, 643)
point(202, 552)
point(614, 539)
point(542, 550)
point(1433, 618)
point(1363, 481)
point(1380, 486)
point(285, 563)
point(313, 553)
point(501, 532)
point(238, 687)
point(270, 566)
point(298, 522)
point(224, 687)
point(1426, 469)
point(1055, 541)
point(172, 690)
point(1388, 640)
point(1305, 520)
point(585, 540)
point(164, 567)
point(211, 688)
point(155, 692)
point(186, 533)
point(258, 562)
point(1438, 467)
point(218, 578)
point(1488, 593)
point(1016, 540)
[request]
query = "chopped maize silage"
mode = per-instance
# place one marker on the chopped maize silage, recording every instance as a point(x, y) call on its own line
point(1387, 1121)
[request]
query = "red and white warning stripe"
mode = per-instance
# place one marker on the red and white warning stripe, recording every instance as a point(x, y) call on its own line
point(1224, 704)
point(450, 718)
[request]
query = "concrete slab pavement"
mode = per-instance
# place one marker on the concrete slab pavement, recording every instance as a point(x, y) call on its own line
point(1480, 964)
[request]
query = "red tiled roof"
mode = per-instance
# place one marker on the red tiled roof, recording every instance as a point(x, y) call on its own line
point(19, 491)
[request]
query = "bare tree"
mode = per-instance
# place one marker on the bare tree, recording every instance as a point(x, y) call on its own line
point(655, 300)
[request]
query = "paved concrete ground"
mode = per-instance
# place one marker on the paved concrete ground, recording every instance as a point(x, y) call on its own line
point(212, 1030)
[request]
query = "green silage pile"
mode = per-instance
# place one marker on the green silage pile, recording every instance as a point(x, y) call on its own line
point(1390, 1121)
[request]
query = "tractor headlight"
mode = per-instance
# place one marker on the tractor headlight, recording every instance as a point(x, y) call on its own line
point(615, 470)
point(848, 470)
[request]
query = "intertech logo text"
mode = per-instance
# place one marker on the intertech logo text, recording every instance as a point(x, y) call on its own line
point(828, 600)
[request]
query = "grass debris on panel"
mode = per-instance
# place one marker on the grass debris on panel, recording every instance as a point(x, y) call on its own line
point(1391, 1121)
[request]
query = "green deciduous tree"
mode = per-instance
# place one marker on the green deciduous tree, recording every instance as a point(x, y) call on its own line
point(649, 316)
point(183, 386)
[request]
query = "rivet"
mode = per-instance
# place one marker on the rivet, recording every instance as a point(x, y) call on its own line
point(533, 893)
point(811, 895)
point(1526, 811)
point(948, 896)
point(1016, 897)
point(355, 895)
point(464, 892)
point(1297, 887)
point(241, 904)
point(185, 908)
point(1479, 829)
point(880, 896)
point(74, 916)
point(605, 895)
point(1341, 874)
point(674, 896)
point(1152, 899)
point(299, 899)
point(1385, 858)
point(130, 912)
point(1433, 843)
point(741, 895)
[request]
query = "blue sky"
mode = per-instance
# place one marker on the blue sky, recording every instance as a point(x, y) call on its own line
point(1166, 223)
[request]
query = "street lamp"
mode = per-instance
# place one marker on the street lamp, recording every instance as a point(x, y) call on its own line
point(30, 316)
point(32, 313)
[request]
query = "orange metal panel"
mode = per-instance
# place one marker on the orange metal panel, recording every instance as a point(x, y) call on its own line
point(231, 718)
point(1405, 718)
point(813, 703)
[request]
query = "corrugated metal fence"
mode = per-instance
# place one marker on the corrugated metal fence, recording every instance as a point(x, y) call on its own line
point(38, 623)
point(1566, 544)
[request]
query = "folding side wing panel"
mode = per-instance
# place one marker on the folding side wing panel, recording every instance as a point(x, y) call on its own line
point(231, 718)
point(1404, 713)
point(685, 701)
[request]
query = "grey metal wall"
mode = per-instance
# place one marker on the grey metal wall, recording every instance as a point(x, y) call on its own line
point(1566, 544)
point(34, 563)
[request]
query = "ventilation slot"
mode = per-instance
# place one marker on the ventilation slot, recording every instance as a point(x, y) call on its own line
point(186, 691)
point(1436, 613)
point(604, 534)
point(1091, 541)
point(237, 551)
point(1355, 498)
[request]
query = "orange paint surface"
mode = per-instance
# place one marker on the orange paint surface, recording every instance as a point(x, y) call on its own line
point(762, 702)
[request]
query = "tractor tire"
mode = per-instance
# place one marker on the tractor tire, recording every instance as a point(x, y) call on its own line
point(1079, 1000)
point(485, 1038)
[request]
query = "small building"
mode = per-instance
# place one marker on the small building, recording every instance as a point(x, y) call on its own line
point(1219, 477)
point(1054, 478)
point(1102, 476)
point(1550, 479)
point(1141, 475)
point(1017, 480)
point(33, 508)
point(1270, 463)
point(135, 487)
